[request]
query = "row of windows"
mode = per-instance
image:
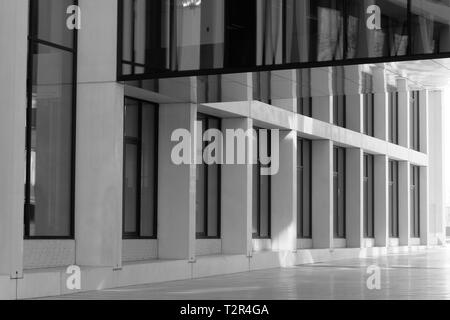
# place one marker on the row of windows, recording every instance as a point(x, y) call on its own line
point(166, 37)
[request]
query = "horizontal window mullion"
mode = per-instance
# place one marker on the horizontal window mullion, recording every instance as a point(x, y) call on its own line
point(51, 44)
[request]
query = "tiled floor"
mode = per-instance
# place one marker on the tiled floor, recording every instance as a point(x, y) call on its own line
point(424, 275)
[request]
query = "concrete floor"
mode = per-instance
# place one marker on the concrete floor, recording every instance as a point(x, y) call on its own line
point(423, 275)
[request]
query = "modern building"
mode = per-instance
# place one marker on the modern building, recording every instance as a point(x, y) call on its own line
point(87, 117)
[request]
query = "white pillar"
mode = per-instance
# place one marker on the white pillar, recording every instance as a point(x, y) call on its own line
point(381, 200)
point(436, 168)
point(99, 146)
point(322, 94)
point(403, 113)
point(176, 185)
point(284, 195)
point(354, 197)
point(404, 202)
point(354, 98)
point(13, 104)
point(381, 96)
point(322, 194)
point(237, 197)
point(284, 89)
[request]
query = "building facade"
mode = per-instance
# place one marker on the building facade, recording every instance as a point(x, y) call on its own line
point(88, 116)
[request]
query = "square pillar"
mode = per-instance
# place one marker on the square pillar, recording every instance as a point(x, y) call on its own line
point(322, 94)
point(354, 197)
point(403, 113)
point(424, 197)
point(237, 195)
point(381, 103)
point(354, 98)
point(284, 89)
point(13, 104)
point(322, 194)
point(284, 195)
point(381, 200)
point(176, 185)
point(404, 202)
point(99, 141)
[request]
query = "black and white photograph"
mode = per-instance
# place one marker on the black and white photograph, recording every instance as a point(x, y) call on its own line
point(224, 154)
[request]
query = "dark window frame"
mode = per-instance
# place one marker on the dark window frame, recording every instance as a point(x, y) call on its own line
point(415, 202)
point(393, 118)
point(369, 114)
point(257, 235)
point(415, 121)
point(339, 152)
point(394, 230)
point(369, 197)
point(204, 235)
point(300, 192)
point(138, 142)
point(340, 110)
point(32, 41)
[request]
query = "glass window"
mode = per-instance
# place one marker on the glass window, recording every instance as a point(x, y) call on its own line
point(414, 121)
point(261, 188)
point(393, 199)
point(262, 87)
point(304, 98)
point(140, 170)
point(430, 26)
point(49, 183)
point(304, 184)
point(368, 112)
point(369, 209)
point(208, 186)
point(339, 192)
point(393, 117)
point(415, 202)
point(48, 22)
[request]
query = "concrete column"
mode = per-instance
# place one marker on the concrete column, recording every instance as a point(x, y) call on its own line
point(381, 199)
point(404, 202)
point(424, 198)
point(403, 113)
point(436, 168)
point(354, 99)
point(237, 87)
point(322, 94)
point(284, 89)
point(99, 145)
point(284, 195)
point(237, 196)
point(423, 121)
point(13, 103)
point(322, 194)
point(381, 98)
point(176, 185)
point(354, 197)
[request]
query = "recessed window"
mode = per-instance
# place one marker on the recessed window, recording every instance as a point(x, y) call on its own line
point(414, 121)
point(415, 202)
point(50, 130)
point(369, 207)
point(393, 117)
point(304, 184)
point(208, 186)
point(261, 204)
point(368, 114)
point(140, 170)
point(339, 163)
point(393, 199)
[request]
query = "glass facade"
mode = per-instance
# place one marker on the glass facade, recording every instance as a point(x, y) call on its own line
point(207, 185)
point(393, 199)
point(50, 128)
point(140, 170)
point(415, 202)
point(414, 125)
point(393, 117)
point(169, 37)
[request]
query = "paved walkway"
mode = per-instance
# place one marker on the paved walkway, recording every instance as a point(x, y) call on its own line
point(423, 275)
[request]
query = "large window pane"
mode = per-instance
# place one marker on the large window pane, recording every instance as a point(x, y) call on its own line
point(430, 26)
point(369, 222)
point(393, 117)
point(140, 169)
point(414, 121)
point(393, 199)
point(304, 179)
point(48, 21)
point(415, 202)
point(339, 192)
point(49, 194)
